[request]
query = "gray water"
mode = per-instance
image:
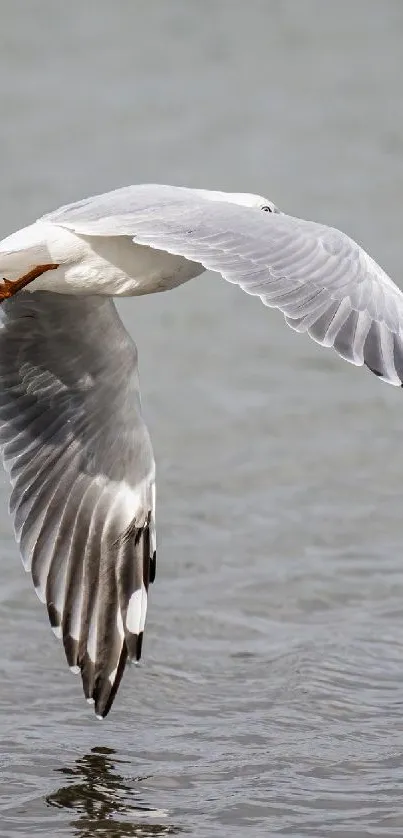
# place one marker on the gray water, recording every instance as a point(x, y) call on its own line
point(270, 699)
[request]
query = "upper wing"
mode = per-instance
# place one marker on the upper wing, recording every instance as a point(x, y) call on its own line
point(321, 280)
point(82, 474)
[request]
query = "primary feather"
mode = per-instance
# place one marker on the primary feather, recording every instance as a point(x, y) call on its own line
point(82, 474)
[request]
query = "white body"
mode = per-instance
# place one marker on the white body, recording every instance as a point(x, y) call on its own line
point(113, 266)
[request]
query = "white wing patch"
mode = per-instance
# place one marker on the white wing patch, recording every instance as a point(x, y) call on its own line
point(133, 618)
point(136, 611)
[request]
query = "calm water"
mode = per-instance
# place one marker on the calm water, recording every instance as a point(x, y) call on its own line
point(270, 700)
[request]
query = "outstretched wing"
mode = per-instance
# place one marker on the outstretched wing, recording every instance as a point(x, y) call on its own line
point(82, 474)
point(323, 282)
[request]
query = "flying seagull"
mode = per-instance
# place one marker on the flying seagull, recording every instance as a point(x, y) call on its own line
point(73, 439)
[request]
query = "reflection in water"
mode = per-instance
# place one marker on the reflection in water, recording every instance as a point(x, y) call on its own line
point(97, 794)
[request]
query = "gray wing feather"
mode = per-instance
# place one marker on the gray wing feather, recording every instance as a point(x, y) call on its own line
point(82, 474)
point(323, 282)
point(123, 203)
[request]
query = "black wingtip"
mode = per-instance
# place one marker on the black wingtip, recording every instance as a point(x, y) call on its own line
point(103, 693)
point(131, 641)
point(153, 566)
point(139, 646)
point(374, 371)
point(55, 617)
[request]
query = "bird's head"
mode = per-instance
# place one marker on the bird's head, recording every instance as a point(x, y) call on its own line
point(244, 199)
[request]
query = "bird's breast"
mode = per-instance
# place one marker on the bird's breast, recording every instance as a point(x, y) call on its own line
point(112, 266)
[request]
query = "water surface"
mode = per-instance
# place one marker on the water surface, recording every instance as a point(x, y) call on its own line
point(270, 698)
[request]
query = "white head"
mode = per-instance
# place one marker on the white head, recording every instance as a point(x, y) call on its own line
point(244, 199)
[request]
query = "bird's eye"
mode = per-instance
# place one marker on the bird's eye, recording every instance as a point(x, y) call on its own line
point(266, 209)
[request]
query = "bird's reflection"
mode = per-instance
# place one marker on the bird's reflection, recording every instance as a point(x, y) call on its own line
point(104, 803)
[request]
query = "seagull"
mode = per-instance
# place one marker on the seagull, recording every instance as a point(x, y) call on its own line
point(73, 439)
